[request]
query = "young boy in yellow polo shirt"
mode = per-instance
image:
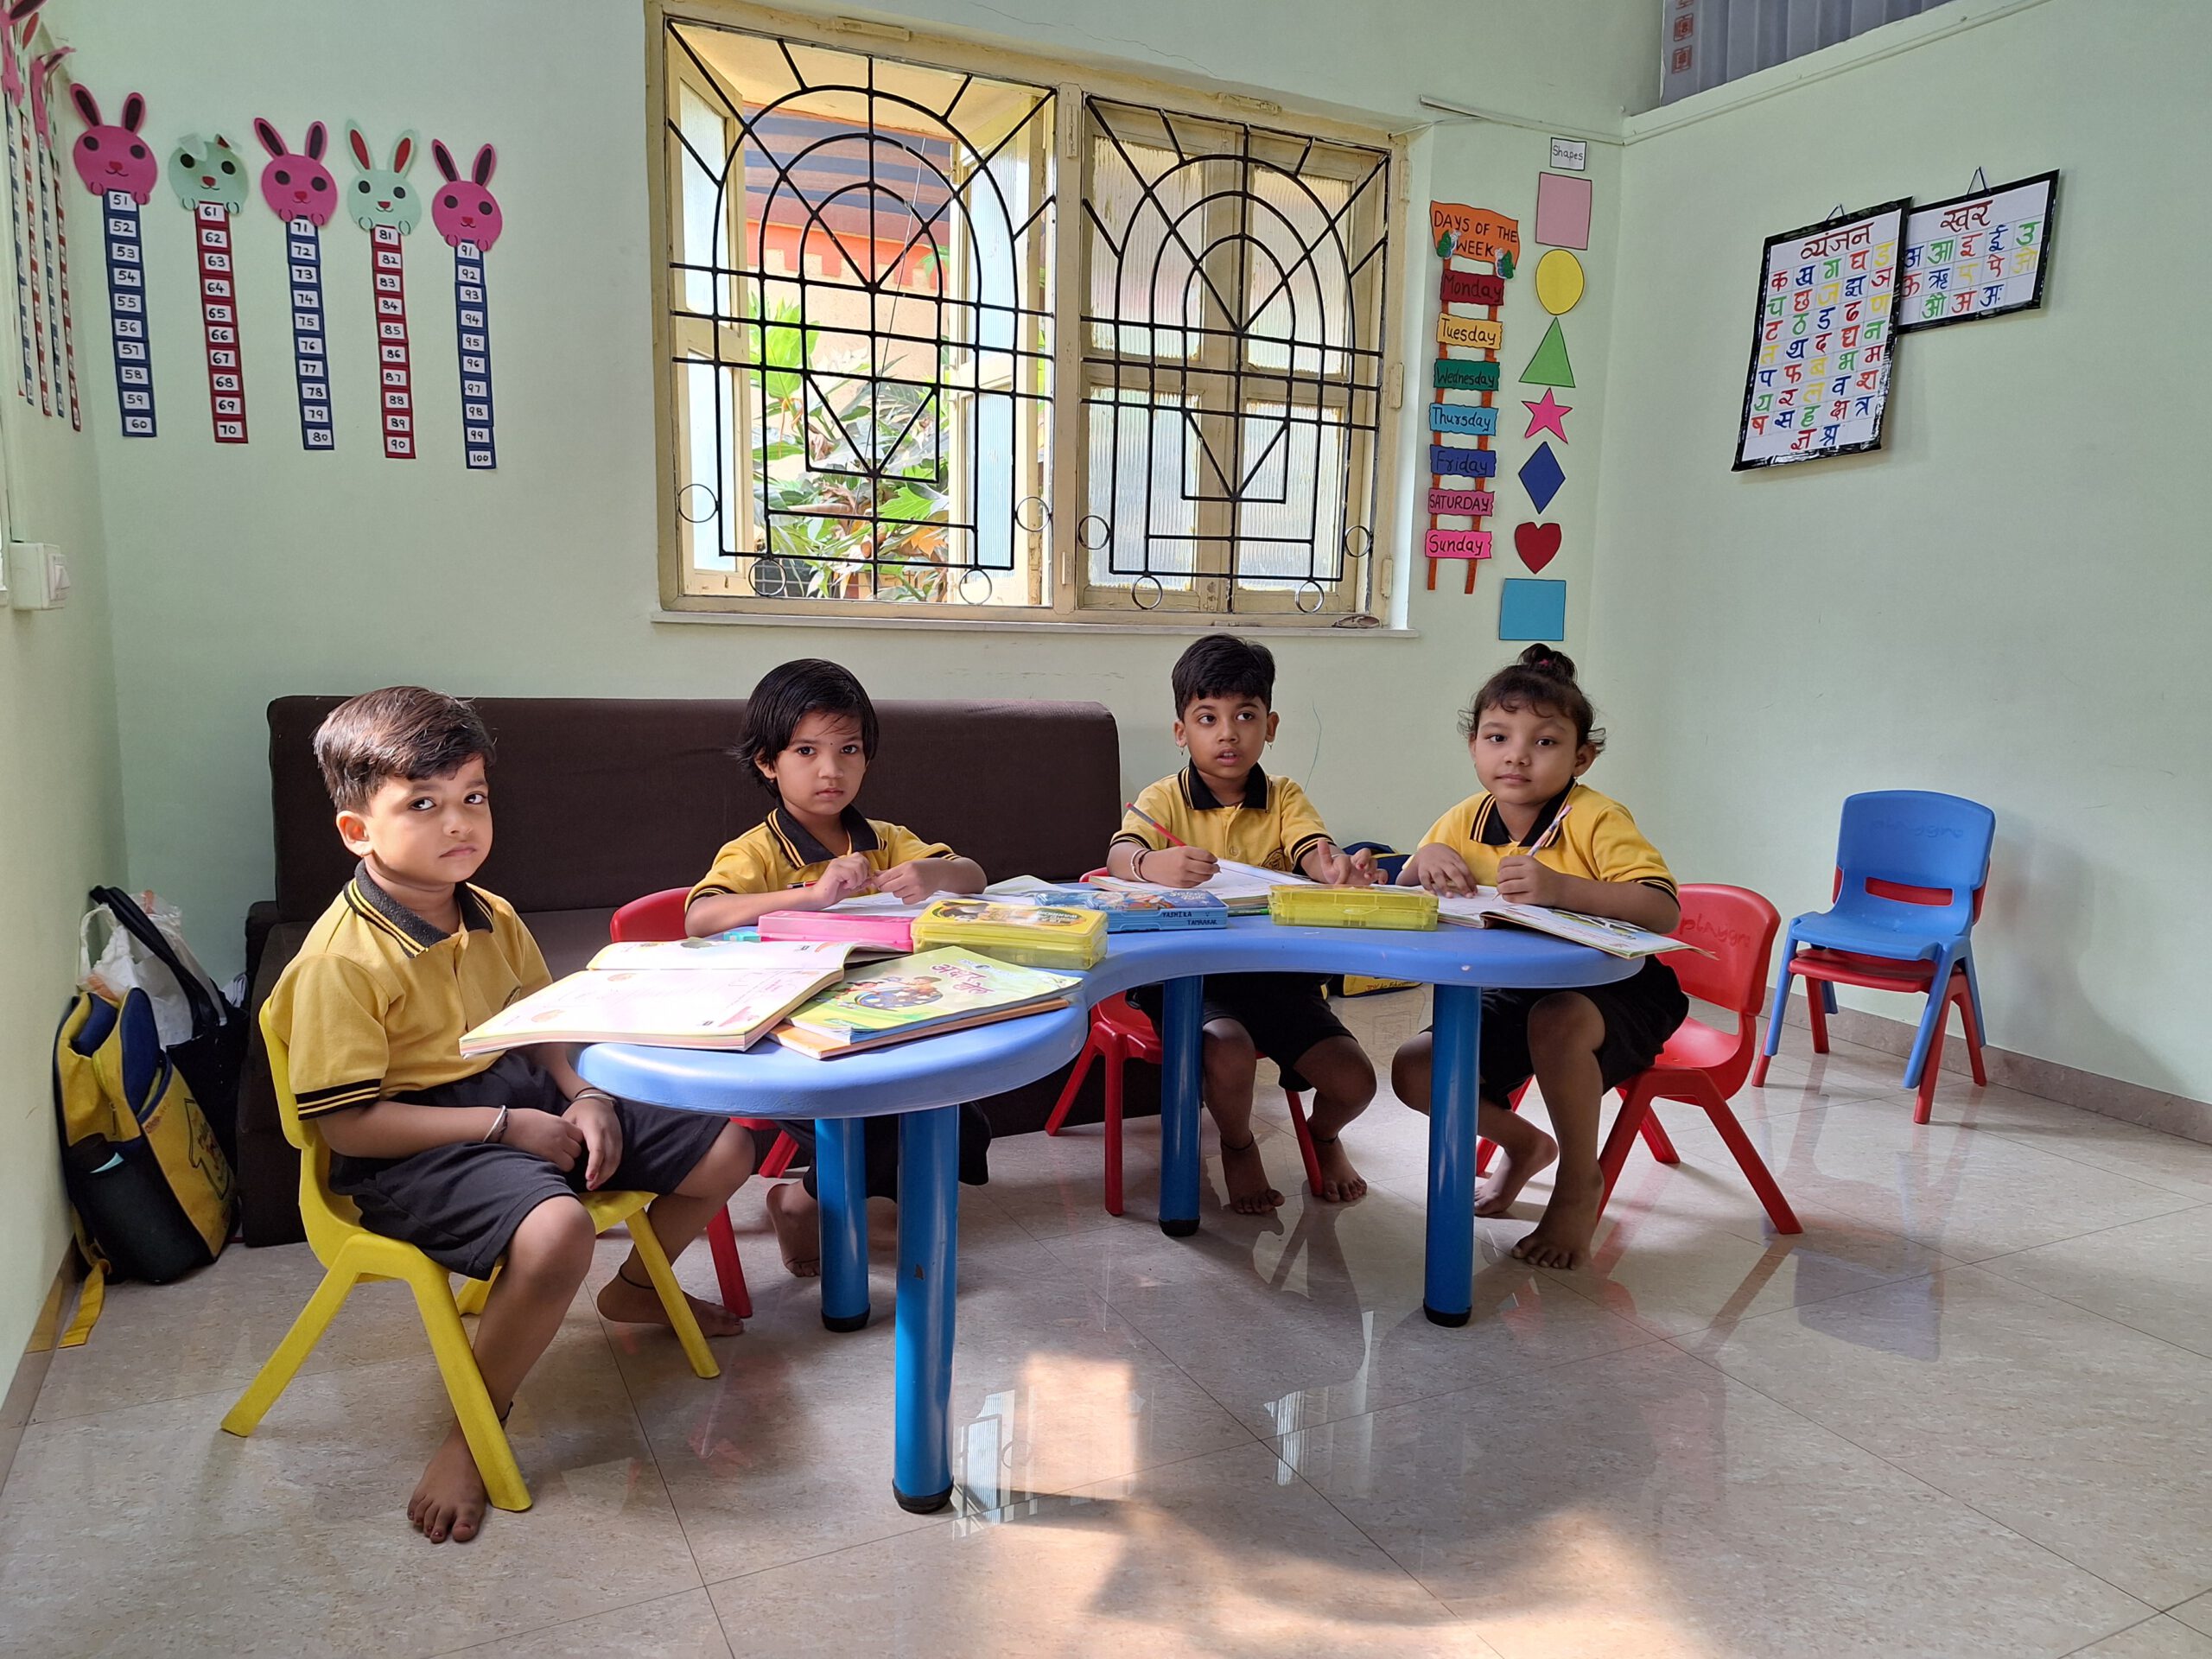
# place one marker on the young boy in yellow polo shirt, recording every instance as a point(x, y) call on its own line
point(477, 1161)
point(809, 734)
point(1222, 805)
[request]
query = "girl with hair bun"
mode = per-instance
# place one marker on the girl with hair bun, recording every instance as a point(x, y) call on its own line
point(1541, 836)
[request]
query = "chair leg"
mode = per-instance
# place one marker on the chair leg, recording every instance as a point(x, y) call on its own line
point(1974, 987)
point(472, 1406)
point(1115, 1064)
point(1932, 1068)
point(1655, 1138)
point(1816, 1014)
point(673, 1302)
point(1754, 1167)
point(1779, 1007)
point(473, 1294)
point(1635, 1113)
point(781, 1151)
point(1970, 1017)
point(1931, 1019)
point(278, 1371)
point(729, 1271)
point(1306, 1152)
point(1066, 1101)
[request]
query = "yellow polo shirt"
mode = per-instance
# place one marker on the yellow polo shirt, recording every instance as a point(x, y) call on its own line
point(375, 1003)
point(1599, 841)
point(779, 854)
point(1273, 827)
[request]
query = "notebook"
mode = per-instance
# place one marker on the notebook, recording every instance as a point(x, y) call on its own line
point(1484, 908)
point(722, 994)
point(937, 991)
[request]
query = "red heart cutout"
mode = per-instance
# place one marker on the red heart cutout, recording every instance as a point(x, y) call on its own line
point(1537, 544)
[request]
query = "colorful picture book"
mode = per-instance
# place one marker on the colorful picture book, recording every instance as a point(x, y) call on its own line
point(674, 994)
point(921, 996)
point(1484, 908)
point(1014, 930)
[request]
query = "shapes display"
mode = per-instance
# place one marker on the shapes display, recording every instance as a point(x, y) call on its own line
point(300, 190)
point(467, 215)
point(1541, 475)
point(1976, 255)
point(1549, 366)
point(1528, 610)
point(1548, 414)
point(209, 179)
point(382, 204)
point(1537, 544)
point(1562, 211)
point(1819, 377)
point(1559, 281)
point(115, 165)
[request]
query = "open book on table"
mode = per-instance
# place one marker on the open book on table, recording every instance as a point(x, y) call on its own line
point(673, 993)
point(1484, 908)
point(923, 995)
point(1244, 888)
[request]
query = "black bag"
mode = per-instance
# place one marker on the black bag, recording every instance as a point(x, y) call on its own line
point(213, 1058)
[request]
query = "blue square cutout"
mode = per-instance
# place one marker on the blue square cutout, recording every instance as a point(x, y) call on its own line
point(1541, 475)
point(1532, 610)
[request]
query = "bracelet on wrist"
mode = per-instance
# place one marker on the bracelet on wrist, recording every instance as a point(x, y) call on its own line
point(498, 1130)
point(591, 1093)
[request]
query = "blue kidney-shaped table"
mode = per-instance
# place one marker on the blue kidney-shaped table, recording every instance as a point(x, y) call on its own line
point(925, 1082)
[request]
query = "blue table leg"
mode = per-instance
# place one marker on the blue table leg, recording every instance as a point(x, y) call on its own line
point(841, 1176)
point(1182, 1017)
point(1454, 1096)
point(929, 1238)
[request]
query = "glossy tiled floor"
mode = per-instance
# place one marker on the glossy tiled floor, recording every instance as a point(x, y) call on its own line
point(1968, 1411)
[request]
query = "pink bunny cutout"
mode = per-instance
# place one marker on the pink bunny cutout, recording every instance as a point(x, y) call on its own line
point(53, 231)
point(464, 210)
point(118, 167)
point(467, 215)
point(300, 191)
point(296, 184)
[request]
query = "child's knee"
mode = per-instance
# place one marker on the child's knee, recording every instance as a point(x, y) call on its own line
point(1228, 1053)
point(732, 1157)
point(1563, 1024)
point(1340, 1067)
point(1410, 1073)
point(553, 1241)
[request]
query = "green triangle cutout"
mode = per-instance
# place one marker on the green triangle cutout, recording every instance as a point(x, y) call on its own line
point(1549, 366)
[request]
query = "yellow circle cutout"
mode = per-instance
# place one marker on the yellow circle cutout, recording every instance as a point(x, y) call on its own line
point(1559, 281)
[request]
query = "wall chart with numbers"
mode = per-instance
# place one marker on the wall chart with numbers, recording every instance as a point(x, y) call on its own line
point(1979, 255)
point(1818, 378)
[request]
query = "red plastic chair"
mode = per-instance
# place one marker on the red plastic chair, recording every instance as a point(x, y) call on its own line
point(1700, 1064)
point(1823, 969)
point(1120, 1033)
point(660, 916)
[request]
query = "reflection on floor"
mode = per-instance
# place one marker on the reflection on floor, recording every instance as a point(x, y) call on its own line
point(1966, 1412)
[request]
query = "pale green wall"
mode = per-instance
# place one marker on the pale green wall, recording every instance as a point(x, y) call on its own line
point(2009, 600)
point(60, 825)
point(254, 572)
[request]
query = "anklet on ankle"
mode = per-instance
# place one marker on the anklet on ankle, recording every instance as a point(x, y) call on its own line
point(632, 1283)
point(1322, 1140)
point(1247, 1147)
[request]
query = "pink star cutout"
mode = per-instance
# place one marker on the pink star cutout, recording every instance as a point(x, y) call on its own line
point(1546, 415)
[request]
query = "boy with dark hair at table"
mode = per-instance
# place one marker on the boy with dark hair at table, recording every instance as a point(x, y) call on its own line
point(1222, 805)
point(809, 734)
point(476, 1161)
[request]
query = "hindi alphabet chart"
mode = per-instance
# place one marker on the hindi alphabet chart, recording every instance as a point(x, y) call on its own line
point(1819, 378)
point(1979, 255)
point(1461, 236)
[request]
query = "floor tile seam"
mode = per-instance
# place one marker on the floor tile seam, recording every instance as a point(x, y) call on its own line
point(1444, 1607)
point(652, 1451)
point(2087, 1232)
point(2033, 1143)
point(228, 1391)
point(1172, 1364)
point(2098, 1640)
point(1933, 1485)
point(555, 1624)
point(1706, 1329)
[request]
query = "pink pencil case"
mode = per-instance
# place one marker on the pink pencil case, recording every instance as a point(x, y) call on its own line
point(894, 933)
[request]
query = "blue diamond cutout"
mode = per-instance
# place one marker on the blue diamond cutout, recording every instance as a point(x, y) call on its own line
point(1541, 475)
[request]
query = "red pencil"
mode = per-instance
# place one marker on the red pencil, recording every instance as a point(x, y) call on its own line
point(1155, 822)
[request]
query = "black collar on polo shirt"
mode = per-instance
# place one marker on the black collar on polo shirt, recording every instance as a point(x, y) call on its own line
point(375, 904)
point(1494, 833)
point(802, 848)
point(1199, 793)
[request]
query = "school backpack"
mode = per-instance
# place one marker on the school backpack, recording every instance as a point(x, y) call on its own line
point(152, 1188)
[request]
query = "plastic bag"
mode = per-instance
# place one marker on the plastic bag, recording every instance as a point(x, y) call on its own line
point(122, 963)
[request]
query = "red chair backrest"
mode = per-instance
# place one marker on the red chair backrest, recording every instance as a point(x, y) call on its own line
point(656, 916)
point(1738, 927)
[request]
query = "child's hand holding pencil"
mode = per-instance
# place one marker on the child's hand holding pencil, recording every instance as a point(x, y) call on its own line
point(1179, 864)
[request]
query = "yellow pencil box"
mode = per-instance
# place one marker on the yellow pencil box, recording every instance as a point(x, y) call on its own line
point(1408, 909)
point(1036, 935)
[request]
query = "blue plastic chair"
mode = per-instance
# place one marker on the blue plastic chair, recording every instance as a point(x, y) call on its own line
point(1899, 838)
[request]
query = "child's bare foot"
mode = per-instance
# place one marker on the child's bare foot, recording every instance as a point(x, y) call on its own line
point(626, 1302)
point(1246, 1175)
point(798, 1221)
point(449, 1499)
point(1562, 1237)
point(1519, 1156)
point(1340, 1182)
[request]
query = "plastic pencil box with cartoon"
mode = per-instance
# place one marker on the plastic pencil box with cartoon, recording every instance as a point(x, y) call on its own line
point(1036, 935)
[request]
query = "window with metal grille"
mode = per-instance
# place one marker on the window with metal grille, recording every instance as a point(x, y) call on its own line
point(946, 333)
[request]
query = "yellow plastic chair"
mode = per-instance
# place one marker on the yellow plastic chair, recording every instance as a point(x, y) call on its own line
point(350, 1254)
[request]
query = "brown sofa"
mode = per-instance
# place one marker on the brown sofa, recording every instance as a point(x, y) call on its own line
point(601, 800)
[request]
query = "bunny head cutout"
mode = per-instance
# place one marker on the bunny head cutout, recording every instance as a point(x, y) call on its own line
point(17, 17)
point(207, 169)
point(382, 195)
point(464, 210)
point(296, 184)
point(111, 157)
